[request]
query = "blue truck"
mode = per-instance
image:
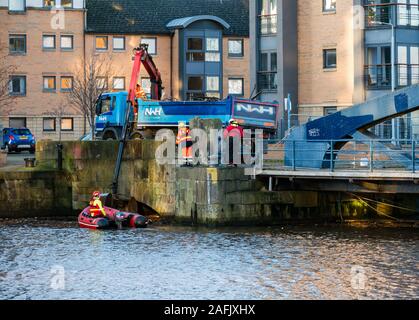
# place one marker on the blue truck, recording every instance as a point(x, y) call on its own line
point(154, 115)
point(128, 115)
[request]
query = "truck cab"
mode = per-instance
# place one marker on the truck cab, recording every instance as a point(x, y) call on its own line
point(110, 115)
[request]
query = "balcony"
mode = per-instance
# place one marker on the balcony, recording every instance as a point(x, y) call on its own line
point(379, 76)
point(268, 24)
point(398, 14)
point(267, 81)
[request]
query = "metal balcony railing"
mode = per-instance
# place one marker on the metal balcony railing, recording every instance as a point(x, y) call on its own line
point(267, 80)
point(379, 76)
point(398, 14)
point(268, 24)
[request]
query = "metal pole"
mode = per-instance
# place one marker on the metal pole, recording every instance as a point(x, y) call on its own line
point(293, 156)
point(413, 155)
point(289, 107)
point(393, 79)
point(331, 156)
point(371, 155)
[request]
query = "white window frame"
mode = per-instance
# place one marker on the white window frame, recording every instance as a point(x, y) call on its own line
point(146, 40)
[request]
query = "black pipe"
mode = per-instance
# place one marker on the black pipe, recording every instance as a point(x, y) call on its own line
point(60, 156)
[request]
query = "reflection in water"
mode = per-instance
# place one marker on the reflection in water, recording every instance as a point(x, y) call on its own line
point(187, 263)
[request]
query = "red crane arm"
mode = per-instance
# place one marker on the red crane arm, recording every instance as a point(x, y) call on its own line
point(141, 56)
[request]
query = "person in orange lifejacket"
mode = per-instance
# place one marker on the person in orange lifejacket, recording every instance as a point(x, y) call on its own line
point(184, 141)
point(233, 133)
point(96, 209)
point(139, 94)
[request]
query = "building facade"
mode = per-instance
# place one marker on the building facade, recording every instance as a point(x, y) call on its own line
point(348, 51)
point(201, 50)
point(43, 49)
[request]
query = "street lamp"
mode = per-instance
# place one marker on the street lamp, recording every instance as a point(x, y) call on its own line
point(393, 72)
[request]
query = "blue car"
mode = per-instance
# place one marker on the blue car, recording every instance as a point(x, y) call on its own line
point(17, 140)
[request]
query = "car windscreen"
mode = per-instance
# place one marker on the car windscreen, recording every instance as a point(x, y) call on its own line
point(21, 132)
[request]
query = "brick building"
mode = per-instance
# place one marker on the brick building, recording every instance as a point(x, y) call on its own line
point(332, 54)
point(200, 47)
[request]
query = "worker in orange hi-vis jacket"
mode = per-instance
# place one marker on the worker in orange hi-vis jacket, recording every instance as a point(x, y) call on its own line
point(139, 94)
point(184, 141)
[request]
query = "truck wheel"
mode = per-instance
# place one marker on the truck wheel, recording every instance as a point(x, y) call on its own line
point(136, 136)
point(109, 136)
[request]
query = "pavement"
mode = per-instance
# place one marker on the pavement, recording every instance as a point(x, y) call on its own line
point(17, 160)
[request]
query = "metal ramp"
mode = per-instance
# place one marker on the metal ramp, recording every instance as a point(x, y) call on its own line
point(312, 144)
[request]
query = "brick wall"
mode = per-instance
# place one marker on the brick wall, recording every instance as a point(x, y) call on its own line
point(317, 31)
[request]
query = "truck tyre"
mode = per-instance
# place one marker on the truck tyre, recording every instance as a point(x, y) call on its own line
point(109, 136)
point(136, 136)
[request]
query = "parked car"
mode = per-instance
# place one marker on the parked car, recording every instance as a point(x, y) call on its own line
point(17, 140)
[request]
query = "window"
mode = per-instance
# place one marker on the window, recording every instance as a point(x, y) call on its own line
point(49, 3)
point(235, 48)
point(102, 83)
point(17, 5)
point(212, 57)
point(152, 45)
point(101, 43)
point(49, 125)
point(17, 44)
point(106, 105)
point(267, 74)
point(213, 44)
point(119, 83)
point(196, 83)
point(67, 124)
point(48, 42)
point(17, 122)
point(67, 42)
point(66, 83)
point(212, 50)
point(268, 7)
point(49, 83)
point(329, 110)
point(195, 44)
point(329, 5)
point(195, 52)
point(213, 83)
point(235, 86)
point(118, 43)
point(329, 59)
point(67, 3)
point(146, 85)
point(18, 85)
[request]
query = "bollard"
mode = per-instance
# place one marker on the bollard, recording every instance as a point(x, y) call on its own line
point(59, 156)
point(29, 162)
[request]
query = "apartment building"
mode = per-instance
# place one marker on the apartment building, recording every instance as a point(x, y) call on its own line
point(42, 45)
point(201, 49)
point(348, 51)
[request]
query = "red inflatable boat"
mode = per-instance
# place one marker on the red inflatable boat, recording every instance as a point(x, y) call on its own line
point(115, 219)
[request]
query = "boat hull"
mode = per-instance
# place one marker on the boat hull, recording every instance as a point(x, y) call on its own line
point(114, 219)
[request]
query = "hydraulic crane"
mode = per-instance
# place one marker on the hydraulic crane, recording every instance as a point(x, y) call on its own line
point(141, 56)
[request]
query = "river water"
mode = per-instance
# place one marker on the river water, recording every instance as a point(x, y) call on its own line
point(57, 260)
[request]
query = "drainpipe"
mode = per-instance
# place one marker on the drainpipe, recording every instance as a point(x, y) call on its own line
point(84, 56)
point(171, 64)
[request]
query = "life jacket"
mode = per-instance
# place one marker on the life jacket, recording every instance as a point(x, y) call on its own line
point(95, 209)
point(233, 131)
point(183, 136)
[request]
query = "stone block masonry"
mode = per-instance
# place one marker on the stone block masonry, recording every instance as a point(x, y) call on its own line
point(197, 195)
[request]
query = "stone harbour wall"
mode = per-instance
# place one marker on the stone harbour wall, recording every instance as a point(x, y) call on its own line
point(27, 194)
point(192, 195)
